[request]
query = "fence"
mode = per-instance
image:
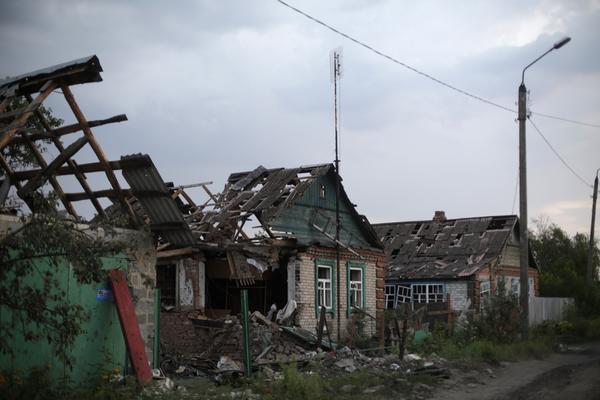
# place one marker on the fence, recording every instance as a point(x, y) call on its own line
point(547, 308)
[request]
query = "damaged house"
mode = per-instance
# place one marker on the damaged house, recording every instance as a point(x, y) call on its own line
point(121, 307)
point(453, 261)
point(272, 232)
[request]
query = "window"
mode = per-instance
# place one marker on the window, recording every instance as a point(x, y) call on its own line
point(404, 294)
point(484, 289)
point(515, 286)
point(322, 191)
point(324, 286)
point(428, 293)
point(356, 288)
point(390, 293)
point(484, 292)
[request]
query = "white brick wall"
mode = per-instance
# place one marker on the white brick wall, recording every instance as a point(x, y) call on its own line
point(458, 295)
point(305, 296)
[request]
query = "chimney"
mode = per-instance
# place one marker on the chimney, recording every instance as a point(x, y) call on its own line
point(439, 216)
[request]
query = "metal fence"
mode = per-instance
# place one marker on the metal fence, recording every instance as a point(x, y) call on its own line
point(547, 308)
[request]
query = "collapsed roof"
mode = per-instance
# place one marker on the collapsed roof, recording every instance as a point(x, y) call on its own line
point(27, 126)
point(443, 248)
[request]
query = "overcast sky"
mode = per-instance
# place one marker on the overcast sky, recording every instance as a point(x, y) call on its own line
point(214, 87)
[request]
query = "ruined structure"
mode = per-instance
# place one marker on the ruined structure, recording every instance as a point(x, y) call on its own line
point(455, 261)
point(272, 231)
point(25, 128)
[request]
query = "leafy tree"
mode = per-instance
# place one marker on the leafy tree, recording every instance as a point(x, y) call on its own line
point(563, 262)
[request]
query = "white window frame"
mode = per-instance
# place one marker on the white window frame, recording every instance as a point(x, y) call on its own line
point(356, 288)
point(325, 285)
point(390, 296)
point(428, 293)
point(403, 294)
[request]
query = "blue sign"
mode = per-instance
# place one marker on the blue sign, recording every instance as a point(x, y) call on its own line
point(104, 294)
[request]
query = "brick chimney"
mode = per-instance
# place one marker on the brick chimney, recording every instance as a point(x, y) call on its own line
point(439, 216)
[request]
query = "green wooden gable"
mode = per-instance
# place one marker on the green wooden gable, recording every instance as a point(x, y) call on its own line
point(311, 218)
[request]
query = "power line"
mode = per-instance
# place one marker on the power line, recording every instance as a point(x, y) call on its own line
point(558, 155)
point(572, 121)
point(424, 74)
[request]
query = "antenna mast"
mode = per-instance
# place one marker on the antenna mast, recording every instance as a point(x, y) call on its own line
point(336, 74)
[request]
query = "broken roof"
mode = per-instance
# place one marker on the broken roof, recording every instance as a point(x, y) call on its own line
point(269, 193)
point(442, 248)
point(19, 109)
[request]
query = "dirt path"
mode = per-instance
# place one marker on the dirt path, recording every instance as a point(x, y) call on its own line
point(568, 376)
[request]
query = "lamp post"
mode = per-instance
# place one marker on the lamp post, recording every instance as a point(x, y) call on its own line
point(590, 261)
point(523, 233)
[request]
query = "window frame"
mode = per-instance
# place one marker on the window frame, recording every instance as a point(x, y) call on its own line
point(354, 265)
point(324, 263)
point(386, 296)
point(425, 295)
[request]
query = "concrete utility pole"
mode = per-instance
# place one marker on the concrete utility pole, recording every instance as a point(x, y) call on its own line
point(523, 230)
point(590, 261)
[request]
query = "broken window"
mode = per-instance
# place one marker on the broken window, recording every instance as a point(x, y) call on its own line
point(166, 281)
point(428, 293)
point(403, 294)
point(324, 288)
point(356, 287)
point(322, 191)
point(390, 294)
point(484, 291)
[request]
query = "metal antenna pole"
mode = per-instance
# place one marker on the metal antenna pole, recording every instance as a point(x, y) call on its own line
point(590, 261)
point(336, 75)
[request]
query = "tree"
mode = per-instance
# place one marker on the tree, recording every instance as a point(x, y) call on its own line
point(562, 260)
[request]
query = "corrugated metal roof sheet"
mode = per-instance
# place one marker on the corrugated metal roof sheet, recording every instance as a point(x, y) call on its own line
point(82, 70)
point(151, 191)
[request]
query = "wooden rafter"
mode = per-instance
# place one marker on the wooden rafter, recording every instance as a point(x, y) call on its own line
point(97, 149)
point(10, 130)
point(51, 133)
point(68, 170)
point(71, 163)
point(37, 181)
point(53, 181)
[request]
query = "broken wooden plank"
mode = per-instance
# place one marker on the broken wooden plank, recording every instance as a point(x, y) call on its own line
point(37, 181)
point(129, 325)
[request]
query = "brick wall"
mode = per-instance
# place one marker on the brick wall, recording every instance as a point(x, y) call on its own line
point(141, 277)
point(306, 316)
point(458, 291)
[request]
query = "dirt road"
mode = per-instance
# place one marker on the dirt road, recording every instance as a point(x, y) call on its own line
point(572, 375)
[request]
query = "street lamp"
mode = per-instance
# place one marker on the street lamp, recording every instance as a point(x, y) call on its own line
point(590, 262)
point(523, 234)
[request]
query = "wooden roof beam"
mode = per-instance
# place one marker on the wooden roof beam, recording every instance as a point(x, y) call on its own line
point(71, 163)
point(10, 131)
point(37, 181)
point(52, 179)
point(50, 133)
point(97, 149)
point(68, 170)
